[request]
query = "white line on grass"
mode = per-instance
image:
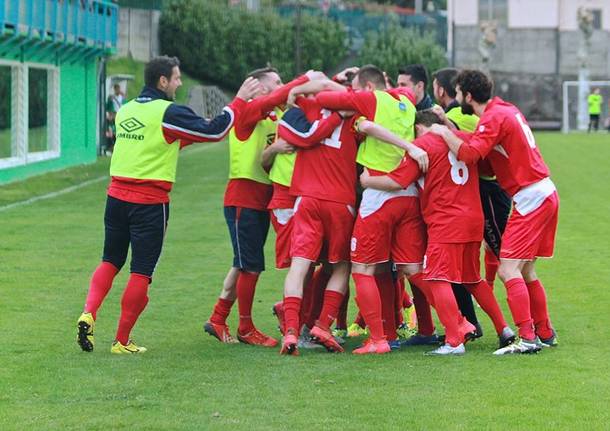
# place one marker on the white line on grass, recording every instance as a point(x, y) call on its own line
point(88, 182)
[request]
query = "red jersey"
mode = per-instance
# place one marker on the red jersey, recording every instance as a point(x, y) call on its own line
point(506, 140)
point(325, 166)
point(363, 102)
point(243, 192)
point(449, 192)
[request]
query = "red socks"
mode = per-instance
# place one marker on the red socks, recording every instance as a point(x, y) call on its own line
point(370, 304)
point(519, 303)
point(132, 304)
point(425, 325)
point(318, 286)
point(221, 311)
point(491, 267)
point(292, 306)
point(538, 309)
point(484, 295)
point(387, 292)
point(330, 308)
point(448, 312)
point(246, 286)
point(100, 285)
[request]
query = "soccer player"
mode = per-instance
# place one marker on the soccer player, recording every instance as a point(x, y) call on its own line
point(452, 212)
point(594, 100)
point(324, 180)
point(505, 139)
point(245, 207)
point(151, 130)
point(415, 77)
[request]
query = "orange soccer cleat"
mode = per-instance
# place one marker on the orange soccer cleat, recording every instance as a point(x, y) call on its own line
point(325, 337)
point(219, 331)
point(257, 338)
point(373, 347)
point(290, 345)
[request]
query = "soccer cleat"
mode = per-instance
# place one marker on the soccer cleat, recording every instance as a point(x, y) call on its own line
point(305, 341)
point(506, 337)
point(373, 347)
point(448, 349)
point(130, 348)
point(290, 344)
point(549, 342)
point(84, 337)
point(221, 332)
point(355, 330)
point(421, 340)
point(404, 332)
point(324, 337)
point(523, 346)
point(340, 333)
point(257, 338)
point(278, 311)
point(395, 344)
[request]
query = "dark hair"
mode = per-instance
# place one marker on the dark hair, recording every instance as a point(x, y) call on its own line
point(444, 78)
point(417, 72)
point(427, 118)
point(372, 74)
point(475, 82)
point(260, 73)
point(158, 67)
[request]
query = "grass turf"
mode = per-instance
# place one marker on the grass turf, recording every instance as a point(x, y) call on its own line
point(188, 380)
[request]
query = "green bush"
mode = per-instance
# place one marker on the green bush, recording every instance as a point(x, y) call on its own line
point(221, 45)
point(395, 46)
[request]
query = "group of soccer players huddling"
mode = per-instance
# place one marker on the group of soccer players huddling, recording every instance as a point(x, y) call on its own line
point(360, 177)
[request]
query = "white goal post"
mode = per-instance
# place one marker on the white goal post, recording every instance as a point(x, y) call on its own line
point(575, 109)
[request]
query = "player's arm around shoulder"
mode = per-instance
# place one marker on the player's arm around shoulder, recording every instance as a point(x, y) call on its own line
point(378, 182)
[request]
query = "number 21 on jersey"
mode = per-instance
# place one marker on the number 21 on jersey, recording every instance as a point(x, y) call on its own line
point(459, 170)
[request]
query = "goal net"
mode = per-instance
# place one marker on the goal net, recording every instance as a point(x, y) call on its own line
point(575, 115)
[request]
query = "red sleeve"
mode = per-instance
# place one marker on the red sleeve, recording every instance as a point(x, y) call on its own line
point(404, 91)
point(363, 102)
point(298, 131)
point(482, 141)
point(255, 110)
point(406, 173)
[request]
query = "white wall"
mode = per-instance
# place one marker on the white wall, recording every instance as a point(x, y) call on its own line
point(533, 14)
point(465, 12)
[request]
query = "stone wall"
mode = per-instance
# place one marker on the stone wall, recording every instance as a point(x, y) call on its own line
point(138, 33)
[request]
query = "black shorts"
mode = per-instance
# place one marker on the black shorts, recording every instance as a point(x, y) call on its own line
point(496, 208)
point(139, 225)
point(248, 229)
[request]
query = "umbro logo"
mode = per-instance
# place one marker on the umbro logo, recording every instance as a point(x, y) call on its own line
point(131, 125)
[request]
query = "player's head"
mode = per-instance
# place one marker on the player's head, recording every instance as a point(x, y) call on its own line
point(117, 89)
point(369, 78)
point(442, 85)
point(415, 77)
point(349, 78)
point(163, 73)
point(596, 91)
point(424, 120)
point(472, 87)
point(269, 79)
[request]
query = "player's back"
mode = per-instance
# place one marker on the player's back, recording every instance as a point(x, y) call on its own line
point(515, 158)
point(450, 201)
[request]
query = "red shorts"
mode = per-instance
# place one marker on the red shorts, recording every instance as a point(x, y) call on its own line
point(533, 235)
point(321, 224)
point(395, 231)
point(281, 219)
point(453, 262)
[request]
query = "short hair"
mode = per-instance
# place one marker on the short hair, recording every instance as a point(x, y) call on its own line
point(373, 74)
point(158, 67)
point(260, 73)
point(417, 72)
point(427, 118)
point(475, 82)
point(444, 78)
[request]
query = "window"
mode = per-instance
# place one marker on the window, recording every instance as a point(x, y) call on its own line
point(597, 19)
point(29, 113)
point(496, 10)
point(6, 109)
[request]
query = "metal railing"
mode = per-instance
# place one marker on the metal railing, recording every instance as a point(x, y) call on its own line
point(88, 24)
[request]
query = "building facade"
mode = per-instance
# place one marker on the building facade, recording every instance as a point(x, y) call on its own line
point(530, 47)
point(49, 82)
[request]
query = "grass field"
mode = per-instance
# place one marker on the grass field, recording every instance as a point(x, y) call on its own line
point(187, 380)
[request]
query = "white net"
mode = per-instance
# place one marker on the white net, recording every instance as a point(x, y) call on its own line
point(575, 108)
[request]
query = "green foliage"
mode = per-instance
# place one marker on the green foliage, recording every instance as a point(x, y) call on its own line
point(395, 46)
point(222, 45)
